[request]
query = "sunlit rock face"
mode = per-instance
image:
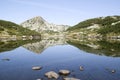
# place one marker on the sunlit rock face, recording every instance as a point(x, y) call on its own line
point(40, 25)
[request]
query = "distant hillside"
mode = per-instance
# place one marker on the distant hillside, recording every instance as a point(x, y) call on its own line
point(10, 28)
point(40, 25)
point(103, 25)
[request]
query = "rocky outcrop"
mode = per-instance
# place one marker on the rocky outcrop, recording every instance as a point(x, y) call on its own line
point(40, 25)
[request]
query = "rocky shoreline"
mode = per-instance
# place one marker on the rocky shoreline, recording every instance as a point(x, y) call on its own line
point(55, 75)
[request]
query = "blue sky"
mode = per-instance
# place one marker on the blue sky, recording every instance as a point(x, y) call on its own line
point(69, 12)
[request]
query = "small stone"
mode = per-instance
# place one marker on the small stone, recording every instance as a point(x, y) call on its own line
point(81, 68)
point(113, 71)
point(112, 50)
point(71, 79)
point(64, 72)
point(52, 74)
point(36, 68)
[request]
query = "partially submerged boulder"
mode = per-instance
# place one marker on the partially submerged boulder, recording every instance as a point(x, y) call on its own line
point(64, 72)
point(51, 74)
point(37, 68)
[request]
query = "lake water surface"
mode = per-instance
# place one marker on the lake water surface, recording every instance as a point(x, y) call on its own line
point(98, 58)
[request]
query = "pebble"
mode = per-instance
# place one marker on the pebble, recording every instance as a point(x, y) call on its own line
point(81, 68)
point(36, 68)
point(113, 71)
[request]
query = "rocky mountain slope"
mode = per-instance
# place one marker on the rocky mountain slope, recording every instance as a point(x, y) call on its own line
point(8, 29)
point(97, 27)
point(40, 25)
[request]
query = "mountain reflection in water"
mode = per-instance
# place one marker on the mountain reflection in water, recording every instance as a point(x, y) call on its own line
point(40, 46)
point(99, 47)
point(99, 58)
point(96, 47)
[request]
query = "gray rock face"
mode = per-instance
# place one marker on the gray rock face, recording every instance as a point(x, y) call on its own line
point(52, 74)
point(40, 25)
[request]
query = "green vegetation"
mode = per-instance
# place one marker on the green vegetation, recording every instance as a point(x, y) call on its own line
point(107, 25)
point(110, 29)
point(14, 29)
point(101, 21)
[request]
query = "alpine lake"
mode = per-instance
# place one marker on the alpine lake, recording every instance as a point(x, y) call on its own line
point(99, 59)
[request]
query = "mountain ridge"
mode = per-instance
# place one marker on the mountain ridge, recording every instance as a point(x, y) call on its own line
point(108, 26)
point(8, 29)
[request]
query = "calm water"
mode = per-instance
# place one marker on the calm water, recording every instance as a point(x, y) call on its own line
point(97, 57)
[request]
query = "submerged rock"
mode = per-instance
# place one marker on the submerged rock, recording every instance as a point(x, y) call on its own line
point(81, 68)
point(6, 59)
point(37, 68)
point(113, 71)
point(64, 72)
point(71, 79)
point(52, 74)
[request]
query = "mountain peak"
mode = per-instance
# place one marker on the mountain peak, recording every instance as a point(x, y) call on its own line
point(40, 25)
point(37, 18)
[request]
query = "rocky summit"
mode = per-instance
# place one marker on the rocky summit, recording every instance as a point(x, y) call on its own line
point(40, 25)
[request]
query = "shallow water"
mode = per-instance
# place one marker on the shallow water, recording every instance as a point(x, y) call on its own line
point(56, 55)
